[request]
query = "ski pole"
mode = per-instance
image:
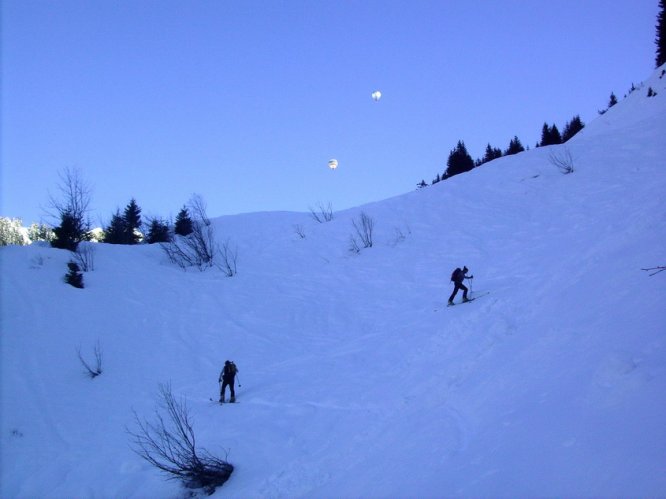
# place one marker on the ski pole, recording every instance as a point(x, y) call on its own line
point(238, 378)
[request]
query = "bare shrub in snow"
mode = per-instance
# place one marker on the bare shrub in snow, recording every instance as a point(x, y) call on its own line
point(229, 256)
point(364, 228)
point(84, 255)
point(169, 444)
point(199, 248)
point(92, 369)
point(400, 234)
point(655, 270)
point(563, 161)
point(323, 212)
point(300, 232)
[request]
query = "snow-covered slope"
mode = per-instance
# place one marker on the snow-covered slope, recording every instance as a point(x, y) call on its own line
point(356, 380)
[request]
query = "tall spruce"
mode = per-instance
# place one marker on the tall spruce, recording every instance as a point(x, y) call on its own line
point(491, 154)
point(515, 146)
point(550, 135)
point(572, 128)
point(115, 232)
point(661, 34)
point(133, 222)
point(459, 161)
point(183, 226)
point(612, 100)
point(158, 232)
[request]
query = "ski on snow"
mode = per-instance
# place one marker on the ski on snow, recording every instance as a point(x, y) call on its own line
point(468, 300)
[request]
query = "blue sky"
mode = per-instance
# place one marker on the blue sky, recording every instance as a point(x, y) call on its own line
point(245, 102)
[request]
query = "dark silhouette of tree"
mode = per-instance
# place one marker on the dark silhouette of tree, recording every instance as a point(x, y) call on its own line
point(421, 184)
point(612, 100)
point(74, 277)
point(459, 161)
point(116, 231)
point(71, 210)
point(133, 222)
point(661, 34)
point(572, 128)
point(490, 154)
point(550, 135)
point(515, 146)
point(183, 225)
point(71, 231)
point(158, 232)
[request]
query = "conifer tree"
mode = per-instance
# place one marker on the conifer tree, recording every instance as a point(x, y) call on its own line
point(132, 222)
point(515, 146)
point(116, 232)
point(490, 154)
point(661, 34)
point(459, 161)
point(572, 128)
point(612, 100)
point(158, 232)
point(183, 225)
point(550, 135)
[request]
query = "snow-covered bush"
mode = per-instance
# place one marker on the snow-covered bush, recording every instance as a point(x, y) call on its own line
point(169, 444)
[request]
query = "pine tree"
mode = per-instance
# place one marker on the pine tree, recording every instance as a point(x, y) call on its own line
point(71, 231)
point(572, 128)
point(661, 34)
point(490, 154)
point(74, 276)
point(515, 146)
point(133, 222)
point(550, 135)
point(612, 100)
point(459, 161)
point(158, 232)
point(183, 226)
point(116, 232)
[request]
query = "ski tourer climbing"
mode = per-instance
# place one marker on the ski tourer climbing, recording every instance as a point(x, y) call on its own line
point(457, 277)
point(227, 378)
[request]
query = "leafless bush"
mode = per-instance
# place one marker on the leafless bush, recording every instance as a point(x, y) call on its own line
point(229, 257)
point(323, 213)
point(655, 270)
point(169, 444)
point(200, 248)
point(84, 255)
point(96, 369)
point(400, 234)
point(300, 232)
point(563, 161)
point(364, 228)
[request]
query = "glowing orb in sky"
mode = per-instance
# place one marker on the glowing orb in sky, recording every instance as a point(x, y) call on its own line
point(376, 95)
point(333, 164)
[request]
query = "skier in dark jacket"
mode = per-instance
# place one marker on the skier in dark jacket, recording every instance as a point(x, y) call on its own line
point(227, 377)
point(457, 278)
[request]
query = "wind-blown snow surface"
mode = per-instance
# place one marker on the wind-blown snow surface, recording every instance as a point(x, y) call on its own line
point(356, 380)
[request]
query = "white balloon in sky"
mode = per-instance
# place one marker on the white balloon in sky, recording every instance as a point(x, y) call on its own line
point(333, 164)
point(376, 95)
